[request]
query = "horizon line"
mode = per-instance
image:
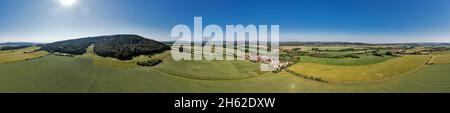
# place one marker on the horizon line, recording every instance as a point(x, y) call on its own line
point(279, 41)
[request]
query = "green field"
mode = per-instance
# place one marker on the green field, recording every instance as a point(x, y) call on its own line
point(364, 60)
point(210, 70)
point(377, 71)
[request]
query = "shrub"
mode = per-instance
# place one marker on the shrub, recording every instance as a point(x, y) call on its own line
point(378, 54)
point(307, 77)
point(296, 49)
point(389, 53)
point(149, 63)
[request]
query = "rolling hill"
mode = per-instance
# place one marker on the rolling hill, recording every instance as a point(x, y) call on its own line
point(17, 44)
point(123, 47)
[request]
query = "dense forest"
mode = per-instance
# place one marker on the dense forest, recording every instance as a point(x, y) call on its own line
point(127, 46)
point(123, 47)
point(75, 46)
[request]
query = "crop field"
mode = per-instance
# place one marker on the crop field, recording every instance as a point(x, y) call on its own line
point(92, 73)
point(46, 75)
point(9, 56)
point(210, 70)
point(378, 71)
point(364, 60)
point(441, 58)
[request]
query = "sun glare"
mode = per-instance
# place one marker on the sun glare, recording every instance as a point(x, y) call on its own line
point(67, 2)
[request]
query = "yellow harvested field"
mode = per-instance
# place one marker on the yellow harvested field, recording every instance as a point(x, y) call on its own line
point(442, 59)
point(379, 71)
point(9, 56)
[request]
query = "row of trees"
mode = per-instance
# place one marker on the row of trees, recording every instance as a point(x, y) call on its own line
point(149, 63)
point(338, 50)
point(325, 55)
point(318, 79)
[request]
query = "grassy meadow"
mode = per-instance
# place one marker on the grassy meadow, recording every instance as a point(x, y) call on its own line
point(376, 71)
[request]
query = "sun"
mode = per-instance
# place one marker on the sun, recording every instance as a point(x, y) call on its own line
point(67, 2)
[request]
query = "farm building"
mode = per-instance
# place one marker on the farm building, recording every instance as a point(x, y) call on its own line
point(425, 53)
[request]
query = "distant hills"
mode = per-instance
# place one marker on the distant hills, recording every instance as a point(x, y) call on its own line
point(17, 44)
point(123, 47)
point(296, 43)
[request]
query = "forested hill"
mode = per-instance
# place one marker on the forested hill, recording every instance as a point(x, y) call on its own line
point(122, 47)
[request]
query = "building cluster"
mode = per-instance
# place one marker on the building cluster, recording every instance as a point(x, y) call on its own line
point(277, 64)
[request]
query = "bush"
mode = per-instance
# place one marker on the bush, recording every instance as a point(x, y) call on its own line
point(389, 53)
point(307, 77)
point(296, 49)
point(315, 49)
point(149, 63)
point(378, 54)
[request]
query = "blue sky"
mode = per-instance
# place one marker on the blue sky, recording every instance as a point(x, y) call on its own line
point(374, 21)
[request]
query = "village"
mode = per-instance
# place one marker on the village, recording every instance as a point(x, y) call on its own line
point(275, 62)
